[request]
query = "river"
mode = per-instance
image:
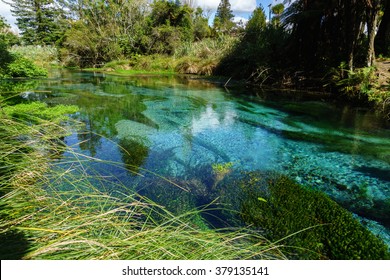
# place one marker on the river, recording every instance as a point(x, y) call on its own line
point(177, 128)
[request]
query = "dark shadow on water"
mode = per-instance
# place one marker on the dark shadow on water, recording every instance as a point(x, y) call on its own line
point(13, 245)
point(381, 174)
point(217, 217)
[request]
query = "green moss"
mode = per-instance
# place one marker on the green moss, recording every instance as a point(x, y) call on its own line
point(40, 111)
point(222, 168)
point(318, 226)
point(21, 67)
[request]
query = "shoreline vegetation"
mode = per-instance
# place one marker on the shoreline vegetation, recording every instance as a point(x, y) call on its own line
point(81, 220)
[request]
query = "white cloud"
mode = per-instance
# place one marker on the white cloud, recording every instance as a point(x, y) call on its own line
point(6, 13)
point(238, 19)
point(243, 5)
point(237, 5)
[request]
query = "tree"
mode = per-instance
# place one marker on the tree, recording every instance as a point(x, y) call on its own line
point(258, 55)
point(373, 8)
point(223, 17)
point(200, 24)
point(382, 39)
point(170, 25)
point(277, 10)
point(110, 29)
point(7, 37)
point(38, 20)
point(326, 33)
point(5, 56)
point(256, 22)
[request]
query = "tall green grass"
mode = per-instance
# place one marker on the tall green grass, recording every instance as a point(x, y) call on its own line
point(202, 57)
point(49, 211)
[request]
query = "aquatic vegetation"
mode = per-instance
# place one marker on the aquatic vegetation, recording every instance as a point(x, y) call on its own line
point(133, 131)
point(220, 170)
point(134, 154)
point(316, 226)
point(10, 88)
point(39, 111)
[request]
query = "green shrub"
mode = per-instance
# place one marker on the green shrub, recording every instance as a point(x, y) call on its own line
point(22, 67)
point(17, 66)
point(358, 81)
point(318, 226)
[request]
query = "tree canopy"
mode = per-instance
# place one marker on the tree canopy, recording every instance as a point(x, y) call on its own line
point(38, 20)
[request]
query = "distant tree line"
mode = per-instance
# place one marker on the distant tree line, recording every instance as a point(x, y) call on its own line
point(311, 36)
point(90, 32)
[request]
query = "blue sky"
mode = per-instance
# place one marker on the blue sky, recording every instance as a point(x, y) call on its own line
point(241, 8)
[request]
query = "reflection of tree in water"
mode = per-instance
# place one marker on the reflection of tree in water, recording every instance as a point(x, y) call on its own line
point(12, 89)
point(102, 108)
point(89, 141)
point(134, 154)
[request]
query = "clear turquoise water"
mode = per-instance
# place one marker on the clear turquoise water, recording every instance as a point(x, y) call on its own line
point(178, 127)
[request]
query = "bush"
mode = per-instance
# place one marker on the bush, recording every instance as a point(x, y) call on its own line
point(318, 226)
point(23, 67)
point(17, 66)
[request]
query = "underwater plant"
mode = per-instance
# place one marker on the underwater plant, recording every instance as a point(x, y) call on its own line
point(220, 170)
point(315, 226)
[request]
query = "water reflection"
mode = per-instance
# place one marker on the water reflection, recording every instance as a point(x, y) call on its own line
point(211, 119)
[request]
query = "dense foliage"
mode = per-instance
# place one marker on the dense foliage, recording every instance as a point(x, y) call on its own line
point(306, 39)
point(13, 64)
point(257, 53)
point(7, 37)
point(39, 21)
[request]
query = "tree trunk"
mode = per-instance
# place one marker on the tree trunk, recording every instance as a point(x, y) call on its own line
point(382, 39)
point(350, 27)
point(373, 9)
